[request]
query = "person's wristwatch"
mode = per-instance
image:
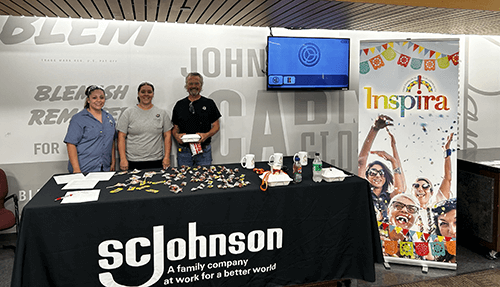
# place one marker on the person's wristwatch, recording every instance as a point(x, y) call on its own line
point(447, 153)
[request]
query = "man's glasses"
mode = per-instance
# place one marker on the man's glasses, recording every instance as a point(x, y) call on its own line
point(399, 206)
point(191, 107)
point(374, 172)
point(424, 185)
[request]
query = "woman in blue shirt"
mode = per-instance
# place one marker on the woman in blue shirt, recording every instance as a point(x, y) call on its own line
point(90, 137)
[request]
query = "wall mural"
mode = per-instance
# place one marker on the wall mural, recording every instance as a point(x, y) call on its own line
point(47, 63)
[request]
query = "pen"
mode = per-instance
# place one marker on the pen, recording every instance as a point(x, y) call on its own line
point(62, 197)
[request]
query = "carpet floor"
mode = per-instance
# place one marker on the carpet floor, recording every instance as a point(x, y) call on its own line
point(487, 278)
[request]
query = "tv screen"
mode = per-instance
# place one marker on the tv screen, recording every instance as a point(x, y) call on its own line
point(307, 63)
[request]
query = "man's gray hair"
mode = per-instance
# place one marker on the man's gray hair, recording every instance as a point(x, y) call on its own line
point(195, 74)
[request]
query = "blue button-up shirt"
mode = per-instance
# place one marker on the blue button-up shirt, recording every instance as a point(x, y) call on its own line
point(93, 140)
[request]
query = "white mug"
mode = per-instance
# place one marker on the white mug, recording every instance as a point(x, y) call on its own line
point(276, 160)
point(248, 161)
point(302, 156)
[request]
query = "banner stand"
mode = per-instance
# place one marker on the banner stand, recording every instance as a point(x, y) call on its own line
point(425, 264)
point(408, 129)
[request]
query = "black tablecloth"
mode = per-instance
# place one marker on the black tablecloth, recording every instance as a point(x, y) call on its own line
point(293, 234)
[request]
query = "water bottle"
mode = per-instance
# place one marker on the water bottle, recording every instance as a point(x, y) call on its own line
point(297, 170)
point(317, 167)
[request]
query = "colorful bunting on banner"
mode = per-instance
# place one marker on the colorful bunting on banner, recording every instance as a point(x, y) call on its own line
point(451, 247)
point(454, 58)
point(403, 60)
point(426, 236)
point(377, 62)
point(430, 65)
point(438, 248)
point(422, 248)
point(411, 248)
point(389, 54)
point(391, 247)
point(406, 248)
point(411, 232)
point(398, 229)
point(443, 60)
point(364, 67)
point(416, 64)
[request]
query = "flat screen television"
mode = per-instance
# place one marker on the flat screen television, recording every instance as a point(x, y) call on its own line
point(307, 63)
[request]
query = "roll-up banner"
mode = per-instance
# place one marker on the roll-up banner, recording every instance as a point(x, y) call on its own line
point(408, 102)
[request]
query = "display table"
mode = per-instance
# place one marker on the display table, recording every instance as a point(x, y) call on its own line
point(478, 185)
point(293, 234)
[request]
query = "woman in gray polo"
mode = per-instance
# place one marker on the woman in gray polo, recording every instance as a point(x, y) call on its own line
point(144, 137)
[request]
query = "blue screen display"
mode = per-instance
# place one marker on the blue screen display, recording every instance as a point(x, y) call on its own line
point(307, 63)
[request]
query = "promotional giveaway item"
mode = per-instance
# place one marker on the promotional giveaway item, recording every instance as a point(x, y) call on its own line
point(297, 170)
point(194, 145)
point(248, 161)
point(317, 168)
point(302, 156)
point(195, 148)
point(276, 160)
point(190, 138)
point(333, 174)
point(276, 177)
point(178, 178)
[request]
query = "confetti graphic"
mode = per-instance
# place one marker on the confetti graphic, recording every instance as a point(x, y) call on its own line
point(408, 127)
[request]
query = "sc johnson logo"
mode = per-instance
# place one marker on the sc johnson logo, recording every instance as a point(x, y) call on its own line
point(178, 249)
